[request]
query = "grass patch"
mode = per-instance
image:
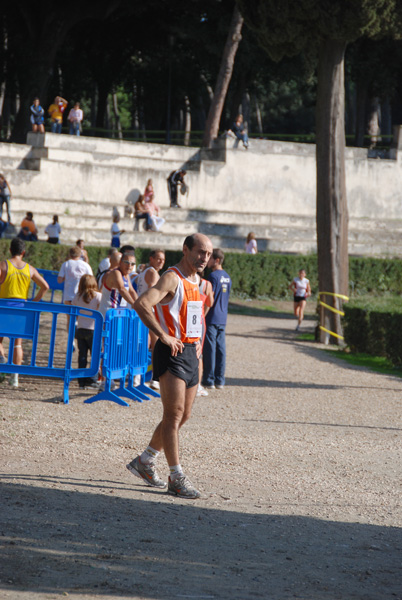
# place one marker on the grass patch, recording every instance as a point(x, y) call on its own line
point(306, 337)
point(257, 308)
point(378, 364)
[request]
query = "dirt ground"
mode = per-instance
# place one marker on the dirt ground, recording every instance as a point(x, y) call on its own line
point(298, 460)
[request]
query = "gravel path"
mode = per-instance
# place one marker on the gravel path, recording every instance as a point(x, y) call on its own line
point(298, 459)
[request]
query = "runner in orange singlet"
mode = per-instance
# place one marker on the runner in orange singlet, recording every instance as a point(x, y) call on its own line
point(177, 324)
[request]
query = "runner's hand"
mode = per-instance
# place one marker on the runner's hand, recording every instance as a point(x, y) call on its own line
point(175, 345)
point(199, 349)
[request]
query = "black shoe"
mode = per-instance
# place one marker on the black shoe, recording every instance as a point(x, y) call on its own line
point(90, 386)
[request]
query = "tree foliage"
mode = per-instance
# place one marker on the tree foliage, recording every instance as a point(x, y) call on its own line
point(322, 29)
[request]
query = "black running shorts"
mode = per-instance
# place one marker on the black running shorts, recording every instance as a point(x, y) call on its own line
point(184, 366)
point(300, 298)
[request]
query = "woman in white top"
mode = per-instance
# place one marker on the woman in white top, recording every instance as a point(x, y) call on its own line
point(86, 297)
point(75, 117)
point(301, 290)
point(53, 231)
point(251, 244)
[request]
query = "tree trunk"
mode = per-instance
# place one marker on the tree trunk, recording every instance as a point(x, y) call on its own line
point(141, 113)
point(223, 80)
point(101, 111)
point(332, 214)
point(374, 122)
point(117, 116)
point(94, 105)
point(31, 87)
point(361, 102)
point(187, 121)
point(386, 118)
point(258, 116)
point(237, 96)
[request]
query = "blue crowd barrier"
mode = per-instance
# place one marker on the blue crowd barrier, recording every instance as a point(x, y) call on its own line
point(22, 319)
point(125, 355)
point(51, 279)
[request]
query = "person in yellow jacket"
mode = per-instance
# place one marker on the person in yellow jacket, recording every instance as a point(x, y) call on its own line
point(15, 279)
point(56, 111)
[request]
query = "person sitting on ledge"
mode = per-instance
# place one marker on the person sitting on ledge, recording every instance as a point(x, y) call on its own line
point(142, 211)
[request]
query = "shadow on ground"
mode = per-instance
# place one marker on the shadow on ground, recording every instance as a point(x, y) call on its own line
point(88, 541)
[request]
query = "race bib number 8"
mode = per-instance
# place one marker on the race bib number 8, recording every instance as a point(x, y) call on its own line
point(194, 312)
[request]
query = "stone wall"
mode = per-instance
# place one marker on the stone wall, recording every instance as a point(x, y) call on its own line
point(271, 182)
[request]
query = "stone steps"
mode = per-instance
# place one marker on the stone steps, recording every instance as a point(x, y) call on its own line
point(276, 233)
point(82, 179)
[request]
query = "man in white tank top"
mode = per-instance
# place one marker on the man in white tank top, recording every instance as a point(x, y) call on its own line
point(145, 280)
point(150, 275)
point(117, 291)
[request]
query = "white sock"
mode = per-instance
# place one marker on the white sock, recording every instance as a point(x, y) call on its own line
point(175, 472)
point(149, 456)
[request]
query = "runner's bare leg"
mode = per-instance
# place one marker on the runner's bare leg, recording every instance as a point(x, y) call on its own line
point(177, 404)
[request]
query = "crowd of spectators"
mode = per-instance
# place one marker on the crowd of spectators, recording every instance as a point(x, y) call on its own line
point(56, 114)
point(117, 285)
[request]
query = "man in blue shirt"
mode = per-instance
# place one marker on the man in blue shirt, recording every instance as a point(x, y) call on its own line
point(214, 354)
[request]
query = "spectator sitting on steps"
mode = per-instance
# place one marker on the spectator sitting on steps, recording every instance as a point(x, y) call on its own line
point(28, 223)
point(238, 130)
point(142, 211)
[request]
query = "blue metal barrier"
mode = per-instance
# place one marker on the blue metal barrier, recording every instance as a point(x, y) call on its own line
point(51, 279)
point(19, 319)
point(125, 355)
point(140, 359)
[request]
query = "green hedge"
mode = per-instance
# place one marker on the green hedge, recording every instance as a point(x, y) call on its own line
point(257, 275)
point(374, 330)
point(51, 256)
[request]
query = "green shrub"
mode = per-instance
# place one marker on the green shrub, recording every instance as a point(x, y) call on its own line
point(263, 274)
point(374, 330)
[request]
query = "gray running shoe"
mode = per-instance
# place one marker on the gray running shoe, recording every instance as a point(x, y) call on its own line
point(183, 488)
point(146, 472)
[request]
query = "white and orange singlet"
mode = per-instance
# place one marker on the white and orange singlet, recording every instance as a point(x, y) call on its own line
point(182, 316)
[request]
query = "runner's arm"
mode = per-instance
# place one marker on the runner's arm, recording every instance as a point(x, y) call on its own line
point(151, 277)
point(38, 279)
point(166, 286)
point(3, 270)
point(210, 297)
point(115, 280)
point(132, 292)
point(308, 290)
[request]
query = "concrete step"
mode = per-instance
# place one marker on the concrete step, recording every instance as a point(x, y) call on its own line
point(103, 207)
point(18, 156)
point(94, 145)
point(112, 160)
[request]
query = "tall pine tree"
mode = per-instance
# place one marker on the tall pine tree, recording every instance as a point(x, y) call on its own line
point(323, 28)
